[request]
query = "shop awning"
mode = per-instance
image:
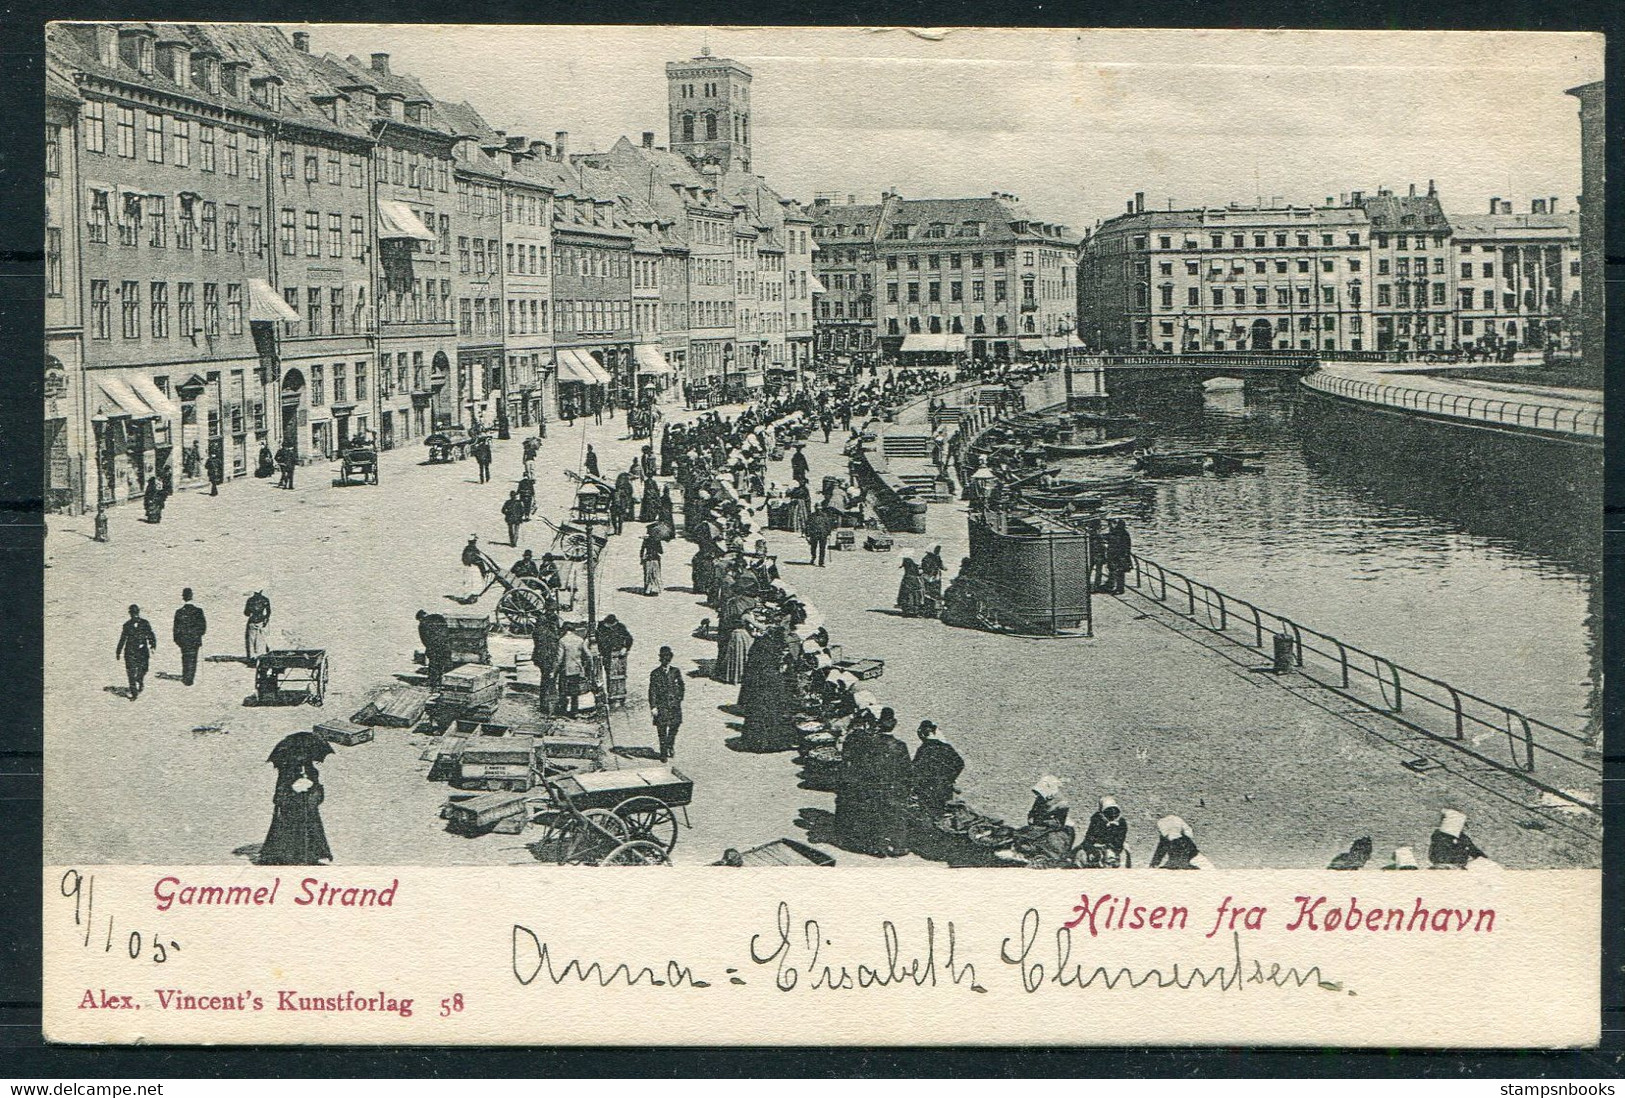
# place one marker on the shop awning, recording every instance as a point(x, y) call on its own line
point(580, 366)
point(752, 381)
point(933, 341)
point(816, 286)
point(118, 399)
point(398, 221)
point(266, 305)
point(154, 397)
point(650, 360)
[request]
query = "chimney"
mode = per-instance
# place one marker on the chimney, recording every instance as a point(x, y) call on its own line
point(1506, 205)
point(1130, 204)
point(1139, 201)
point(301, 41)
point(380, 63)
point(516, 144)
point(1342, 198)
point(1495, 204)
point(560, 137)
point(1551, 204)
point(1328, 200)
point(648, 139)
point(1432, 190)
point(1413, 190)
point(1537, 205)
point(540, 149)
point(1355, 197)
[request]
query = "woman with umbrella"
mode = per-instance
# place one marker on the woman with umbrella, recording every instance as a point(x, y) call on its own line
point(296, 836)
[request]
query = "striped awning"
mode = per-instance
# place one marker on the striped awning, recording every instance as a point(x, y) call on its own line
point(398, 221)
point(118, 399)
point(266, 306)
point(154, 397)
point(580, 366)
point(650, 360)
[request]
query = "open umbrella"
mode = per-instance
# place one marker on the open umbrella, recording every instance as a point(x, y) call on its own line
point(299, 748)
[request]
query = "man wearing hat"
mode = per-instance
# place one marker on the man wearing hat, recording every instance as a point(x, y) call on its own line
point(135, 644)
point(799, 466)
point(666, 703)
point(936, 767)
point(187, 631)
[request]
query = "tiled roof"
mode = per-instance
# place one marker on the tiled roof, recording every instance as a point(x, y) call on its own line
point(1388, 213)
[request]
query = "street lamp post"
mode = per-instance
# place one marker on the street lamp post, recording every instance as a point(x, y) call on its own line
point(592, 511)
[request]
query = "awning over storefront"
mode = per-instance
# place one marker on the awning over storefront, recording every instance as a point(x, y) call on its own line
point(933, 341)
point(398, 221)
point(155, 397)
point(118, 399)
point(650, 360)
point(580, 366)
point(753, 381)
point(266, 305)
point(816, 286)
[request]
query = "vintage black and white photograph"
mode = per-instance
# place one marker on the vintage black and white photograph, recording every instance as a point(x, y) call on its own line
point(536, 446)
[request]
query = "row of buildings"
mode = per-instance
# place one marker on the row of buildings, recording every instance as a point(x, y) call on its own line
point(1362, 272)
point(250, 243)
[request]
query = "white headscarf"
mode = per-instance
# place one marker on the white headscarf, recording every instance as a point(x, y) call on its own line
point(1048, 786)
point(1172, 827)
point(1451, 822)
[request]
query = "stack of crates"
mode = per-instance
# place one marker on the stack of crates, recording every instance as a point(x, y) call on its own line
point(471, 686)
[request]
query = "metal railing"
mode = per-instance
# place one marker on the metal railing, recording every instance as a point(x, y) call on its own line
point(1581, 422)
point(1494, 733)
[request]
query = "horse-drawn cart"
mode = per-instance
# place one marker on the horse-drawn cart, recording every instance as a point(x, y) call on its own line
point(359, 460)
point(611, 817)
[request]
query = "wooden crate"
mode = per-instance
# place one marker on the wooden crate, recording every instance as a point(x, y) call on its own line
point(498, 762)
point(343, 732)
point(483, 812)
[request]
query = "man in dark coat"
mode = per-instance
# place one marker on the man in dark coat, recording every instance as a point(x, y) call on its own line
point(936, 767)
point(1119, 549)
point(544, 652)
point(285, 462)
point(798, 463)
point(820, 524)
point(513, 513)
point(135, 645)
point(666, 689)
point(436, 637)
point(215, 469)
point(190, 625)
point(591, 460)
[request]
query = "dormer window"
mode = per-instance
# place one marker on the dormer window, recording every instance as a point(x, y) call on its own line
point(143, 56)
point(206, 74)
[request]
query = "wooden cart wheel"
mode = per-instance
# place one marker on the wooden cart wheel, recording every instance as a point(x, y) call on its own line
point(638, 852)
point(650, 819)
point(589, 838)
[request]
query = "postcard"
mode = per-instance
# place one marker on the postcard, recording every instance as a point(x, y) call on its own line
point(824, 474)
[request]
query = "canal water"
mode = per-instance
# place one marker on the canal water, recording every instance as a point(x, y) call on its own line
point(1463, 554)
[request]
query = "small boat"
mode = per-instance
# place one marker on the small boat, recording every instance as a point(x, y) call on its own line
point(1221, 462)
point(1224, 384)
point(1169, 465)
point(1091, 449)
point(1049, 501)
point(1102, 419)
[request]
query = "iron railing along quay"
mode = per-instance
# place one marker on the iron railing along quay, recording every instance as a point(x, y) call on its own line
point(1585, 423)
point(1426, 704)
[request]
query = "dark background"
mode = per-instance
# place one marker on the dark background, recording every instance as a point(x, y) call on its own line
point(22, 1053)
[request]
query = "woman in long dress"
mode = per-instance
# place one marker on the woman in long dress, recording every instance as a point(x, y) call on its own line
point(650, 553)
point(764, 695)
point(649, 505)
point(296, 836)
point(911, 592)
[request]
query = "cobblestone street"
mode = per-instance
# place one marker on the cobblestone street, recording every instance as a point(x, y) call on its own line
point(1164, 723)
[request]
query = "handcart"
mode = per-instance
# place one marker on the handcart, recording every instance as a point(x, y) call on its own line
point(615, 680)
point(448, 444)
point(290, 676)
point(612, 817)
point(524, 598)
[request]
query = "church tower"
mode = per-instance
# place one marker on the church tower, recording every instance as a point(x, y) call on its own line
point(709, 106)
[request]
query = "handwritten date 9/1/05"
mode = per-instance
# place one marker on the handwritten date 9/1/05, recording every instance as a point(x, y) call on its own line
point(150, 947)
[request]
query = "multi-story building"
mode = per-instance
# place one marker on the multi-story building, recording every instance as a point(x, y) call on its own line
point(319, 196)
point(1413, 270)
point(476, 285)
point(1517, 277)
point(410, 256)
point(798, 285)
point(172, 161)
point(708, 111)
point(1227, 278)
point(844, 264)
point(527, 211)
point(67, 430)
point(981, 271)
point(1592, 203)
point(592, 287)
point(701, 303)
